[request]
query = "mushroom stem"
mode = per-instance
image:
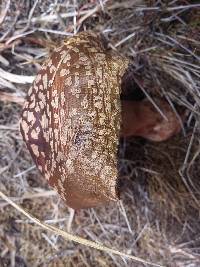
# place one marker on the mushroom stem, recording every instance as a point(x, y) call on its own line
point(140, 118)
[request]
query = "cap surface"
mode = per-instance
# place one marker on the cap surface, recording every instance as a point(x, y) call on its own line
point(71, 120)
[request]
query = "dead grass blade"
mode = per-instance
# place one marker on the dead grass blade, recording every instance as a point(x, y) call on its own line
point(74, 238)
point(4, 11)
point(16, 78)
point(12, 97)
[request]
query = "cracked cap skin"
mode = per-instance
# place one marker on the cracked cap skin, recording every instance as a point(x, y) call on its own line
point(71, 120)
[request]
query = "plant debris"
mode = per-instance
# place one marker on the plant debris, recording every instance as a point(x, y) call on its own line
point(157, 218)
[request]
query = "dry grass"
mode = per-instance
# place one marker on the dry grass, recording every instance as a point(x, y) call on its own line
point(158, 216)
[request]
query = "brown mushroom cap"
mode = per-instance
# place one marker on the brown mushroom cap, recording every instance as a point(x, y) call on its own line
point(71, 120)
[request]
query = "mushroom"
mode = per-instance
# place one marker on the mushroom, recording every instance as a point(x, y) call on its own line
point(71, 120)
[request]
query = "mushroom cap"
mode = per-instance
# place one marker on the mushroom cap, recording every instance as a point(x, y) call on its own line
point(71, 120)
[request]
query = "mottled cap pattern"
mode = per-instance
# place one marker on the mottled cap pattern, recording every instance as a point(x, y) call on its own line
point(71, 120)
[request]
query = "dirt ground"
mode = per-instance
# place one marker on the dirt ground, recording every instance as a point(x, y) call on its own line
point(158, 217)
